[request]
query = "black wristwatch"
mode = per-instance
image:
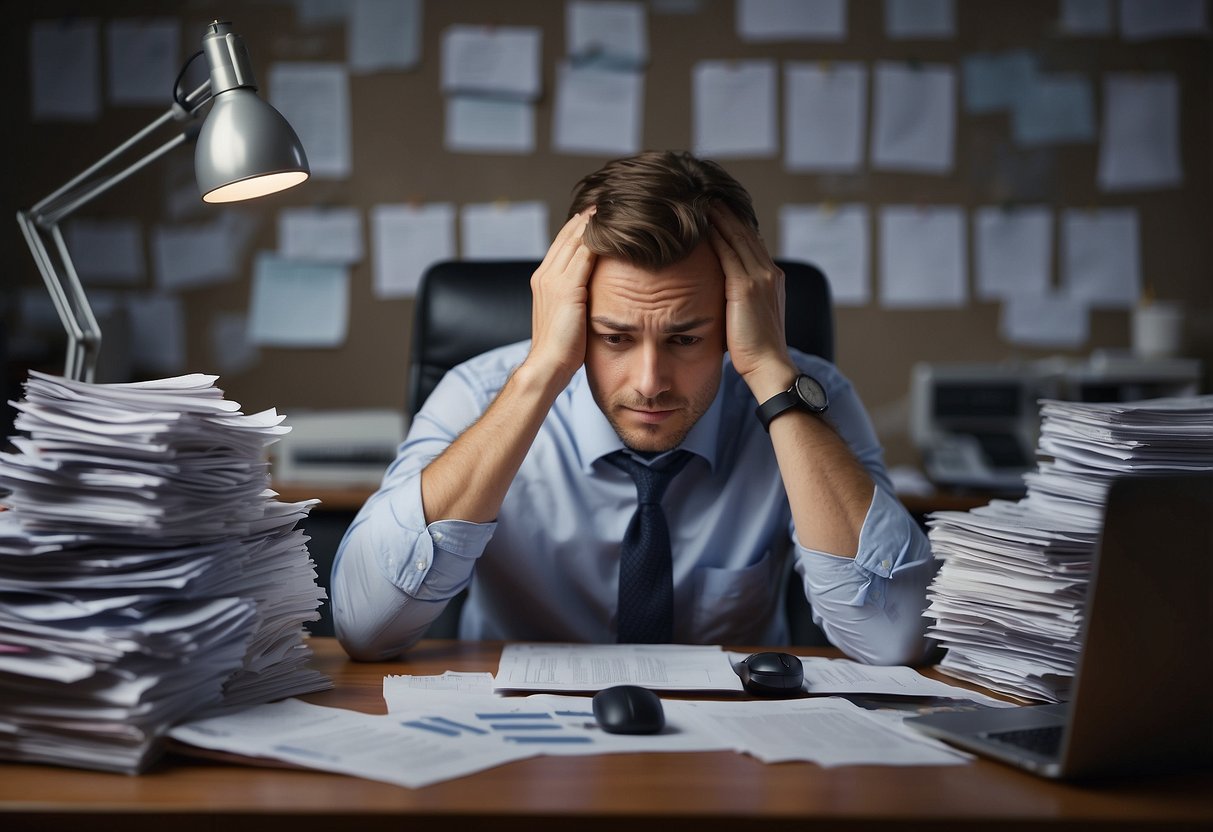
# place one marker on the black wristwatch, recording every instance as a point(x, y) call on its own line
point(806, 393)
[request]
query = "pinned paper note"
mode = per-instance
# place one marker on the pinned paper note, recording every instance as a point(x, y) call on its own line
point(920, 19)
point(598, 111)
point(65, 68)
point(157, 333)
point(140, 54)
point(734, 108)
point(406, 240)
point(107, 252)
point(1101, 257)
point(477, 124)
point(1152, 19)
point(315, 99)
point(297, 303)
point(765, 21)
point(1140, 148)
point(492, 60)
point(330, 235)
point(496, 231)
point(1049, 321)
point(826, 116)
point(1085, 18)
point(914, 125)
point(607, 32)
point(835, 239)
point(1058, 108)
point(1014, 251)
point(922, 256)
point(383, 35)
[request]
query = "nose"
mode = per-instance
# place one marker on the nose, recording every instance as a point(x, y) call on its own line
point(651, 375)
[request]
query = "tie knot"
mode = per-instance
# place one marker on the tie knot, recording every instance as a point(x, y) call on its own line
point(651, 480)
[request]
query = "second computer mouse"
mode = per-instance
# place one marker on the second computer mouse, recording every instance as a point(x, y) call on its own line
point(629, 709)
point(771, 674)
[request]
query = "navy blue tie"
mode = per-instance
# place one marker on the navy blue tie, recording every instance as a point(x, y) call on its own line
point(646, 571)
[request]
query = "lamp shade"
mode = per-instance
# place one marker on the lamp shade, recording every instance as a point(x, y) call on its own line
point(246, 149)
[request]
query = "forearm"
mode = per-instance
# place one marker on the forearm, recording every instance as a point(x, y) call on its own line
point(469, 480)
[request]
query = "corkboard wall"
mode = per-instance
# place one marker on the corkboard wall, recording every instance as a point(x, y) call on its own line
point(398, 156)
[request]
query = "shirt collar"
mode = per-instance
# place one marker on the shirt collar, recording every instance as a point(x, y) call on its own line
point(595, 438)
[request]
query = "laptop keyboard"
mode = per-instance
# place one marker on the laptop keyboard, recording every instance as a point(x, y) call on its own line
point(1043, 741)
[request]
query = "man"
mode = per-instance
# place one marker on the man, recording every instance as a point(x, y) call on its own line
point(657, 329)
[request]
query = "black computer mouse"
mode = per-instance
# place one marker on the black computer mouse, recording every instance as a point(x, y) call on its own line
point(629, 709)
point(771, 674)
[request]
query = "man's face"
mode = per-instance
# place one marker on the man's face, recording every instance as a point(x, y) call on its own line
point(653, 358)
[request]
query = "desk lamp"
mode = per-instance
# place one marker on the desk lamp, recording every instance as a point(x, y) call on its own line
point(245, 149)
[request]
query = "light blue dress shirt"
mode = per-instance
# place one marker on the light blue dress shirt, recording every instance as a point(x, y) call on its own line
point(548, 568)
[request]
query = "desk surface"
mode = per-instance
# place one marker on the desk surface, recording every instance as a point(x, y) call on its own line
point(681, 791)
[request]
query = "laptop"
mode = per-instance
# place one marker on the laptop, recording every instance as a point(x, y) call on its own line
point(1142, 696)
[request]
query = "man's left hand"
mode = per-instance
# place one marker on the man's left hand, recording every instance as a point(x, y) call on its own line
point(754, 305)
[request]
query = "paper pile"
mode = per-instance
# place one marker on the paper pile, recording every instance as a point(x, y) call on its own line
point(1008, 598)
point(147, 574)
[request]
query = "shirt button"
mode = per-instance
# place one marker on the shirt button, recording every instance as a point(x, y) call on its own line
point(420, 566)
point(884, 564)
point(437, 537)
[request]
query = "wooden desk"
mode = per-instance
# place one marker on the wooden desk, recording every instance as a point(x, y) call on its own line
point(634, 791)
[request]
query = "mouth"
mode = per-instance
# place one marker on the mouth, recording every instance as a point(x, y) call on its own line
point(650, 416)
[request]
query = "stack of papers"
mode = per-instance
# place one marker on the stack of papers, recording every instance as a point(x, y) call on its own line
point(1008, 598)
point(147, 574)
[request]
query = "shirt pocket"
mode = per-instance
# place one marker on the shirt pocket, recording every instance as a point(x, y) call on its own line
point(736, 606)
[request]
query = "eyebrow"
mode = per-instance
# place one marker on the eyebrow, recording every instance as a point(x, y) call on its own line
point(677, 326)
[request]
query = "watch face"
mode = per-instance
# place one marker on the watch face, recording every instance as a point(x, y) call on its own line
point(812, 392)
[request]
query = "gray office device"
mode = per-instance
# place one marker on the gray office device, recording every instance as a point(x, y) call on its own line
point(1143, 687)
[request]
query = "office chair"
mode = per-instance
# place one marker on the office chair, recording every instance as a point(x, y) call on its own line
point(464, 308)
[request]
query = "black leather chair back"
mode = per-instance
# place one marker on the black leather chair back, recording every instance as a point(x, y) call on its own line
point(466, 307)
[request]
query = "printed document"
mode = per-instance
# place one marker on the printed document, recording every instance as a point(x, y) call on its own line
point(591, 667)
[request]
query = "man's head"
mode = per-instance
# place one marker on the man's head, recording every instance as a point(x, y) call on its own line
point(656, 303)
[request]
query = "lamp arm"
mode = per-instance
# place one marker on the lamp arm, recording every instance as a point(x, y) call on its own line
point(40, 227)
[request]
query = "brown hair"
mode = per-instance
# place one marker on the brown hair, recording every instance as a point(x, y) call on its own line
point(652, 208)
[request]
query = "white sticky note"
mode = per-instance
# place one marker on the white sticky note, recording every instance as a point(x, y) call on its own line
point(915, 118)
point(107, 251)
point(232, 349)
point(1151, 19)
point(493, 60)
point(1139, 148)
point(1048, 321)
point(383, 35)
point(143, 57)
point(825, 113)
point(612, 32)
point(1101, 257)
point(835, 239)
point(296, 303)
point(1085, 18)
point(598, 111)
point(504, 231)
point(489, 125)
point(787, 20)
point(405, 241)
point(1057, 108)
point(157, 333)
point(65, 68)
point(1014, 253)
point(735, 108)
point(315, 99)
point(331, 235)
point(922, 256)
point(194, 255)
point(919, 19)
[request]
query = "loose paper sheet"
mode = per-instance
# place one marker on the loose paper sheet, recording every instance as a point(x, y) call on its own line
point(1085, 18)
point(315, 99)
point(591, 667)
point(199, 254)
point(406, 240)
point(142, 58)
point(1150, 19)
point(735, 109)
point(922, 256)
point(476, 124)
point(328, 235)
point(1014, 251)
point(65, 68)
point(504, 231)
point(383, 35)
point(836, 240)
point(1139, 146)
point(760, 21)
point(915, 117)
point(297, 303)
point(826, 116)
point(995, 81)
point(1057, 108)
point(1101, 257)
point(598, 111)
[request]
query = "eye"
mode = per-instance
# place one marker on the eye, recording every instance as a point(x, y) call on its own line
point(613, 338)
point(686, 340)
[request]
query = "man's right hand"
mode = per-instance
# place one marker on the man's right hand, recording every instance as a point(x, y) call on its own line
point(560, 300)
